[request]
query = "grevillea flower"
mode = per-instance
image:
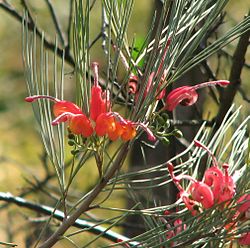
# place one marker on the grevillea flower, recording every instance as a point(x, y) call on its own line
point(101, 120)
point(99, 102)
point(221, 184)
point(244, 239)
point(187, 95)
point(198, 192)
point(216, 187)
point(244, 205)
point(64, 111)
point(133, 79)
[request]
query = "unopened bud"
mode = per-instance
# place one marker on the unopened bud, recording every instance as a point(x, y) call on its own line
point(165, 141)
point(71, 143)
point(177, 133)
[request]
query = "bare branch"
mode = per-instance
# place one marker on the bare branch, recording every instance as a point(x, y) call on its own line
point(32, 26)
point(85, 205)
point(56, 22)
point(228, 94)
point(59, 215)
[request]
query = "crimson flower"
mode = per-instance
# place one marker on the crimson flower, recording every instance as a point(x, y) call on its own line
point(221, 184)
point(160, 93)
point(244, 204)
point(198, 192)
point(101, 120)
point(216, 187)
point(187, 95)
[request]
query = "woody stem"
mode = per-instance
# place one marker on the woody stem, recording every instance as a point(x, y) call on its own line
point(85, 205)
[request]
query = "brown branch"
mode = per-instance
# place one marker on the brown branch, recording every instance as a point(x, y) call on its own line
point(228, 94)
point(85, 205)
point(56, 23)
point(59, 215)
point(32, 26)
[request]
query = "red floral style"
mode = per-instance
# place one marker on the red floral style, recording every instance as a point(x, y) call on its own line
point(197, 193)
point(133, 79)
point(221, 184)
point(187, 95)
point(216, 187)
point(101, 120)
point(244, 211)
point(68, 111)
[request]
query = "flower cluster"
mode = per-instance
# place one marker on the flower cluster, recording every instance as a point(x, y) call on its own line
point(185, 95)
point(101, 120)
point(173, 227)
point(215, 188)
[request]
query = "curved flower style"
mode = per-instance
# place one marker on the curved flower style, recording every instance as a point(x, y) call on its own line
point(244, 205)
point(133, 79)
point(101, 120)
point(197, 193)
point(221, 184)
point(187, 95)
point(216, 187)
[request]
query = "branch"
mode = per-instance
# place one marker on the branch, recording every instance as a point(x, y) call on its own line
point(89, 198)
point(228, 94)
point(59, 215)
point(243, 95)
point(32, 26)
point(56, 22)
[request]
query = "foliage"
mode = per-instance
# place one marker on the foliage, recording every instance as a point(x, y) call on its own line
point(176, 42)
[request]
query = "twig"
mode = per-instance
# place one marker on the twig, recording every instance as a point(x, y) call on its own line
point(190, 122)
point(56, 22)
point(228, 94)
point(226, 54)
point(32, 26)
point(243, 95)
point(59, 215)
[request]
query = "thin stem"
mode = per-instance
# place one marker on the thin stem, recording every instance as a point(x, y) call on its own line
point(32, 26)
point(85, 205)
point(59, 215)
point(228, 94)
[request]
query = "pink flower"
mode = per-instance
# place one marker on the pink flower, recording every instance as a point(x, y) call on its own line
point(197, 193)
point(244, 239)
point(244, 203)
point(221, 184)
point(187, 95)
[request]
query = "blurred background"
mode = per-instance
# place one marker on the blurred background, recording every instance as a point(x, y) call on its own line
point(21, 150)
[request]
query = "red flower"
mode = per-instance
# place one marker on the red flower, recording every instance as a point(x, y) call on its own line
point(102, 120)
point(187, 95)
point(68, 111)
point(221, 184)
point(198, 192)
point(202, 193)
point(99, 102)
point(244, 204)
point(244, 239)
